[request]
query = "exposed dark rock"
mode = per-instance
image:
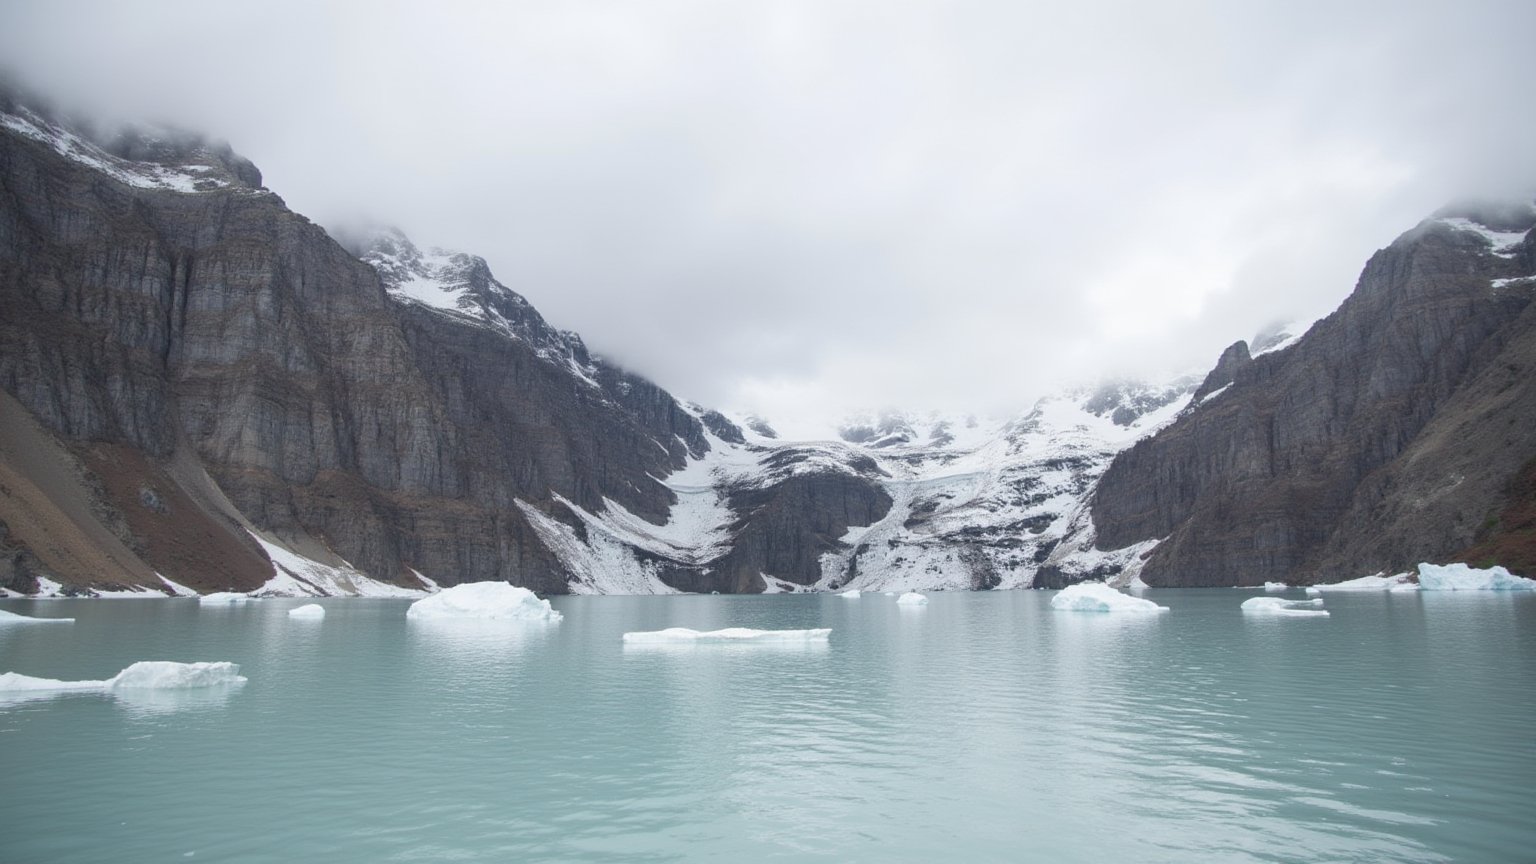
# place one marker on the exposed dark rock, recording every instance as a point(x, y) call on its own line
point(722, 428)
point(1233, 359)
point(222, 327)
point(1384, 436)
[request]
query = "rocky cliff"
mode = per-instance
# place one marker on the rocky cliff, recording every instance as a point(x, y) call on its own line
point(1394, 431)
point(199, 381)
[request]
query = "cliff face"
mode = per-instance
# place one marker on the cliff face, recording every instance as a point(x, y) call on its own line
point(214, 327)
point(1390, 433)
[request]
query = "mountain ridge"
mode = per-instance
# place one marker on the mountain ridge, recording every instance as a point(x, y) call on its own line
point(232, 400)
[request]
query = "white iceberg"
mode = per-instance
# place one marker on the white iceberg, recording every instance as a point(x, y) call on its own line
point(1460, 577)
point(312, 611)
point(729, 634)
point(144, 675)
point(222, 597)
point(912, 598)
point(851, 594)
point(1098, 597)
point(484, 600)
point(1364, 583)
point(1274, 587)
point(1279, 606)
point(14, 618)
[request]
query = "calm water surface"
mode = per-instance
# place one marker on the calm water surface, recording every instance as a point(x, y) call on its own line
point(983, 727)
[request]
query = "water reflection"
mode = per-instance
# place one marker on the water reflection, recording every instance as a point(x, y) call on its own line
point(475, 639)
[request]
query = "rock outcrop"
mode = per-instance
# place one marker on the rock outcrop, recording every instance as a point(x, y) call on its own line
point(1388, 434)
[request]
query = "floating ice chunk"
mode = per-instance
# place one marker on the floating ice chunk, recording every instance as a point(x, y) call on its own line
point(729, 634)
point(1364, 583)
point(851, 594)
point(1274, 587)
point(1280, 606)
point(1460, 577)
point(14, 618)
point(166, 675)
point(1098, 597)
point(144, 675)
point(487, 600)
point(308, 610)
point(222, 597)
point(912, 598)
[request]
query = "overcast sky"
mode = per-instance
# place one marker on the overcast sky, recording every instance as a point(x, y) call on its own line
point(811, 208)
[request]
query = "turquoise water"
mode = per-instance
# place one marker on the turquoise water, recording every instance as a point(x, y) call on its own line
point(983, 727)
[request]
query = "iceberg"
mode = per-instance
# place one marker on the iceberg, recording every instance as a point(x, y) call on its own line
point(222, 597)
point(1098, 597)
point(851, 594)
point(14, 618)
point(673, 635)
point(144, 675)
point(484, 600)
point(1279, 606)
point(912, 598)
point(312, 611)
point(1364, 583)
point(1274, 587)
point(1460, 577)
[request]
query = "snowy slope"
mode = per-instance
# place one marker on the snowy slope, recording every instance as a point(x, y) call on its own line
point(977, 502)
point(459, 284)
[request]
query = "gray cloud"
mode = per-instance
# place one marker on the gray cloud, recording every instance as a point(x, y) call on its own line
point(805, 208)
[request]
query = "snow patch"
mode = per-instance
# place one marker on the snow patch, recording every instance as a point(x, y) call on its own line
point(1502, 242)
point(293, 575)
point(1098, 597)
point(484, 600)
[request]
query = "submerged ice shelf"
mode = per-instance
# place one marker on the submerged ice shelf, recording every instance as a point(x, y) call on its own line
point(14, 618)
point(681, 635)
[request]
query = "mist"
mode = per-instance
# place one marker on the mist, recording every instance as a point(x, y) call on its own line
point(807, 209)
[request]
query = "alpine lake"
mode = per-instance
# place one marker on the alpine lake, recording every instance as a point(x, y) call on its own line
point(980, 727)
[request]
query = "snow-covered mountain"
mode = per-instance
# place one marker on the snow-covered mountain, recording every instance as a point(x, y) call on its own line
point(972, 503)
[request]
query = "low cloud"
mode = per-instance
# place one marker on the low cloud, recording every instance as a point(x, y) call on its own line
point(810, 208)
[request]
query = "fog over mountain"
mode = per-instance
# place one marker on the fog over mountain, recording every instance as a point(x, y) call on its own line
point(803, 209)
